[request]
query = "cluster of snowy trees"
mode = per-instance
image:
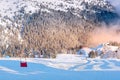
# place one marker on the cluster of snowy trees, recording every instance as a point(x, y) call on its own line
point(56, 32)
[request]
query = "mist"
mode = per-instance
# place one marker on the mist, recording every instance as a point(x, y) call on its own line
point(116, 4)
point(105, 35)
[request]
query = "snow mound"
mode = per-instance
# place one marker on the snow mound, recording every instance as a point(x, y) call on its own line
point(84, 52)
point(108, 51)
point(104, 50)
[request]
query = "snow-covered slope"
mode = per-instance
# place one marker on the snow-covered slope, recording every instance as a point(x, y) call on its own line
point(104, 50)
point(10, 9)
point(66, 67)
point(106, 47)
point(108, 51)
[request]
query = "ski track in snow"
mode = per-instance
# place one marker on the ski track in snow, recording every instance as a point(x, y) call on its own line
point(8, 70)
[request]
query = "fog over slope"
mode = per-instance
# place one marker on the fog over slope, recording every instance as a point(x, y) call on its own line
point(108, 33)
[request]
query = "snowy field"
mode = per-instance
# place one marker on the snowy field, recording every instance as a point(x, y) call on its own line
point(64, 67)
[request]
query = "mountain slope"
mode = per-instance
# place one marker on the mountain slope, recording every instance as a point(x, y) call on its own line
point(86, 9)
point(51, 24)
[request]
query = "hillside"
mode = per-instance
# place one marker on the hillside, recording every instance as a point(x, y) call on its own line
point(51, 25)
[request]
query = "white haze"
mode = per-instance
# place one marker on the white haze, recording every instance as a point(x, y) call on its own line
point(105, 35)
point(116, 4)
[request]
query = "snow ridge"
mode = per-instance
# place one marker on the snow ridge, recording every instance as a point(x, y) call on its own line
point(20, 7)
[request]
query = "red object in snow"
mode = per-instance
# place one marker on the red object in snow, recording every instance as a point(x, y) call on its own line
point(23, 64)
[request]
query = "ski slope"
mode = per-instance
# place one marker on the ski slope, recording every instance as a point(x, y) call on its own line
point(64, 67)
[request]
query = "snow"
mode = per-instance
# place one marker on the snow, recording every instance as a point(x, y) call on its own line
point(84, 51)
point(11, 8)
point(104, 51)
point(105, 48)
point(65, 66)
